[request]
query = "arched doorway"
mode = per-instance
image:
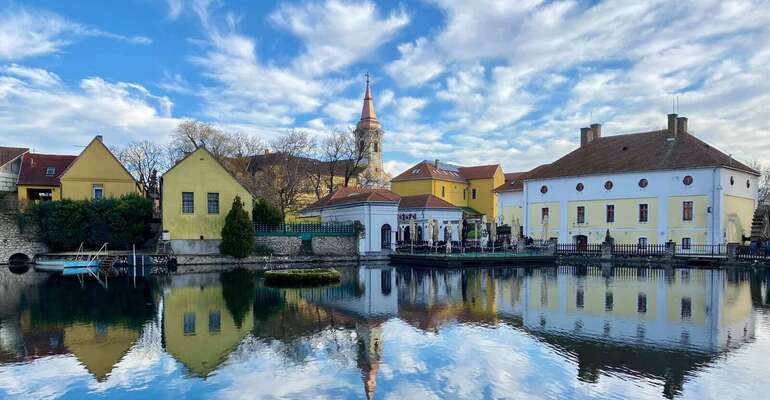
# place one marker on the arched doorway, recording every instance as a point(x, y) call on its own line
point(581, 242)
point(419, 233)
point(407, 234)
point(385, 237)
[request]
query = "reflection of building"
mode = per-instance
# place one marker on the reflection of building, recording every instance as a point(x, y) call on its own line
point(99, 346)
point(198, 328)
point(659, 324)
point(647, 187)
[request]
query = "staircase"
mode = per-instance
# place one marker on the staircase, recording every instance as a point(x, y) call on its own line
point(758, 224)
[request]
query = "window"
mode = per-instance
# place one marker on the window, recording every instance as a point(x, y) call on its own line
point(687, 180)
point(213, 203)
point(642, 243)
point(609, 301)
point(464, 190)
point(641, 303)
point(579, 187)
point(473, 194)
point(686, 243)
point(374, 146)
point(581, 215)
point(643, 213)
point(544, 189)
point(610, 213)
point(608, 185)
point(748, 184)
point(215, 321)
point(189, 323)
point(188, 203)
point(443, 191)
point(643, 183)
point(544, 215)
point(579, 298)
point(687, 210)
point(686, 308)
point(732, 181)
point(98, 191)
point(50, 171)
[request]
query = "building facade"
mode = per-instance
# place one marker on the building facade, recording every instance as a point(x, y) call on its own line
point(369, 136)
point(10, 164)
point(39, 177)
point(95, 174)
point(196, 195)
point(425, 208)
point(470, 188)
point(645, 188)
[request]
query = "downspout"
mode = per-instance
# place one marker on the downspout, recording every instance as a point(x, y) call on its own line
point(715, 226)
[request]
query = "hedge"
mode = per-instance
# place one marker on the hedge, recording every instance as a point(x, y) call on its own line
point(121, 222)
point(298, 277)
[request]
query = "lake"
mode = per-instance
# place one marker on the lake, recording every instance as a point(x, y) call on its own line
point(391, 333)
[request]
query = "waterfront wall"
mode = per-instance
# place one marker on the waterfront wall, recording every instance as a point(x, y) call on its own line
point(16, 238)
point(217, 263)
point(280, 246)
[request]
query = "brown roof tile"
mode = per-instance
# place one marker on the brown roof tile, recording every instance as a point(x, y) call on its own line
point(8, 154)
point(479, 172)
point(646, 151)
point(350, 195)
point(34, 167)
point(447, 172)
point(514, 181)
point(425, 201)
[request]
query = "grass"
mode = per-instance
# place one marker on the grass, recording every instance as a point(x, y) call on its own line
point(301, 277)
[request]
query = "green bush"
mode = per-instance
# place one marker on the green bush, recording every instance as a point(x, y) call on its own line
point(121, 222)
point(300, 277)
point(238, 232)
point(266, 214)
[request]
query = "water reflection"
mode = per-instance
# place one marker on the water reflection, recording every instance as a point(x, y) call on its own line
point(544, 332)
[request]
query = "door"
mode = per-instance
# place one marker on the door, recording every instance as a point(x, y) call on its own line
point(581, 242)
point(385, 237)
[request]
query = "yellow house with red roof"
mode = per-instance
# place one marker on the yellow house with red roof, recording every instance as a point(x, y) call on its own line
point(471, 188)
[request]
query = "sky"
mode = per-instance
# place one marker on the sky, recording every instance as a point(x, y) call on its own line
point(467, 82)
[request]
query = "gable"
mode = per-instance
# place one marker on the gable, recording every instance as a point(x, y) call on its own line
point(201, 169)
point(96, 162)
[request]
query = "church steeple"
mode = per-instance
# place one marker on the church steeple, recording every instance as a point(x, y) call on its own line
point(368, 116)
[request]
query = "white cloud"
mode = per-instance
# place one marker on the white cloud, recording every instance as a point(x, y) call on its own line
point(337, 33)
point(25, 33)
point(418, 64)
point(40, 111)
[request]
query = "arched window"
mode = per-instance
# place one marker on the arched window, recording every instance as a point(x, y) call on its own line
point(544, 189)
point(361, 146)
point(385, 237)
point(374, 145)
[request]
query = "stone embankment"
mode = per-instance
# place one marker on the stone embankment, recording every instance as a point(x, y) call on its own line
point(18, 239)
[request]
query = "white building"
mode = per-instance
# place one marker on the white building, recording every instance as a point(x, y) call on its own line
point(648, 187)
point(10, 164)
point(424, 208)
point(375, 209)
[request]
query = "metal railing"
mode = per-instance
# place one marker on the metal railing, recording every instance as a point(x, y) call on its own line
point(703, 250)
point(571, 249)
point(752, 253)
point(315, 228)
point(628, 250)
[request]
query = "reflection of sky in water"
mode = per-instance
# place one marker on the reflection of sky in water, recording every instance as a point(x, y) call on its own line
point(435, 335)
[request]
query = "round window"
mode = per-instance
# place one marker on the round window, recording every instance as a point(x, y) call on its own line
point(608, 185)
point(748, 183)
point(732, 181)
point(687, 180)
point(544, 189)
point(642, 183)
point(579, 187)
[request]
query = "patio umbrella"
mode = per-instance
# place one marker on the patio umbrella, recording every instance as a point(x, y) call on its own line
point(493, 232)
point(412, 229)
point(435, 231)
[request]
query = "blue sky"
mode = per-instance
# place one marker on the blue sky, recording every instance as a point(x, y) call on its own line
point(466, 82)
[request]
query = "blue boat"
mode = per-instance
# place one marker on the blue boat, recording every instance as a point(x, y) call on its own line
point(80, 267)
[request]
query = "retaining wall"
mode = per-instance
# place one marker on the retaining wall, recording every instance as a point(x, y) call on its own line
point(18, 239)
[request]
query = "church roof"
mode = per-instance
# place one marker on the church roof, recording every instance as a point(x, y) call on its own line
point(368, 116)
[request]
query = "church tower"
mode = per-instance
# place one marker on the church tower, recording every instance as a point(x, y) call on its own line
point(369, 137)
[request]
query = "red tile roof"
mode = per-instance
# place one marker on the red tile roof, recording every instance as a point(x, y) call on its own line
point(351, 195)
point(646, 151)
point(8, 154)
point(514, 181)
point(447, 172)
point(425, 201)
point(34, 167)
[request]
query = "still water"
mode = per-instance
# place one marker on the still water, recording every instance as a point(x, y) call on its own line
point(391, 333)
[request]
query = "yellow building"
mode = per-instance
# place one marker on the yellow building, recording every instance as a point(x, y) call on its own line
point(94, 174)
point(472, 188)
point(99, 346)
point(196, 195)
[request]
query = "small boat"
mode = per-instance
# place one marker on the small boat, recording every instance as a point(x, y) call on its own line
point(49, 265)
point(80, 267)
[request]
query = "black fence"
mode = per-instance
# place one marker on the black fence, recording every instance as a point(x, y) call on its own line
point(317, 229)
point(753, 253)
point(637, 250)
point(574, 249)
point(701, 250)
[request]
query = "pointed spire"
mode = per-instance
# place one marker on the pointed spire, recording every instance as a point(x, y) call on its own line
point(368, 117)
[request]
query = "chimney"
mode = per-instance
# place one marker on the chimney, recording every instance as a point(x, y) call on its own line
point(681, 125)
point(435, 163)
point(99, 138)
point(597, 130)
point(586, 136)
point(672, 129)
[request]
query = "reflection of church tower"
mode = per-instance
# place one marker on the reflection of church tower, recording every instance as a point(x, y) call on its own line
point(369, 136)
point(369, 355)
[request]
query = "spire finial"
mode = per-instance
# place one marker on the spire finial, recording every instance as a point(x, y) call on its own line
point(367, 77)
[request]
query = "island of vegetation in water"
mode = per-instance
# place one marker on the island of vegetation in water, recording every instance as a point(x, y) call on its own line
point(301, 277)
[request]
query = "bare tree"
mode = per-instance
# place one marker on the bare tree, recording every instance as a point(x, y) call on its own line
point(282, 177)
point(334, 154)
point(144, 160)
point(190, 135)
point(764, 180)
point(354, 152)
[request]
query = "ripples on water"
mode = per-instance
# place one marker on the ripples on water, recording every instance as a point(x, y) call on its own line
point(566, 332)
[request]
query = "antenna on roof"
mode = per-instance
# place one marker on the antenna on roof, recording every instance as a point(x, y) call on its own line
point(673, 104)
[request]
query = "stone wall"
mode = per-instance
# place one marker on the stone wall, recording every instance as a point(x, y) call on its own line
point(15, 240)
point(334, 245)
point(281, 245)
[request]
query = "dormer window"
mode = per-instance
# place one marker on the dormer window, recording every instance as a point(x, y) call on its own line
point(50, 171)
